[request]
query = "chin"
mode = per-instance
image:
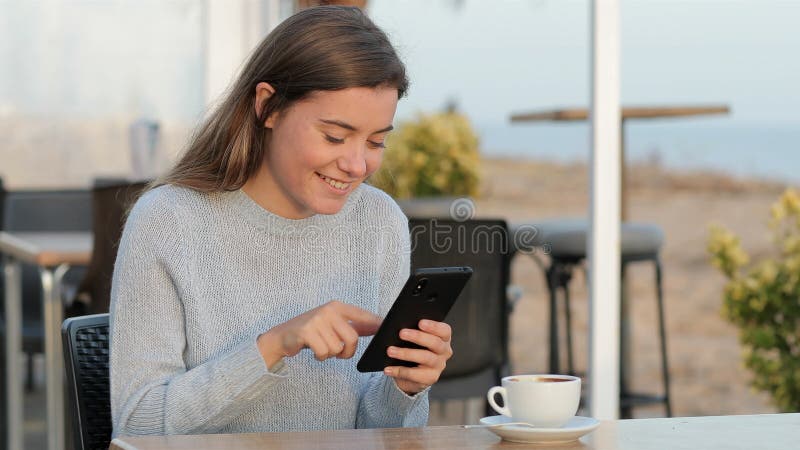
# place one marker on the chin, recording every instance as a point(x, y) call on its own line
point(329, 208)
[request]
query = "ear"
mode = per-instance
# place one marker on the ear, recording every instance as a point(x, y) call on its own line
point(263, 92)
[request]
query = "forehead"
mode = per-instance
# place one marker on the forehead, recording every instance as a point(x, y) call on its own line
point(358, 106)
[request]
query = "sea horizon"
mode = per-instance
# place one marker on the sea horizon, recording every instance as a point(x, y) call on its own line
point(768, 151)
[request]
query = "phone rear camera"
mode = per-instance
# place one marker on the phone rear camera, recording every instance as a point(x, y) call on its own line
point(420, 286)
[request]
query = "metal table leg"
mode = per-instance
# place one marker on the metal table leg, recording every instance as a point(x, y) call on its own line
point(54, 363)
point(13, 294)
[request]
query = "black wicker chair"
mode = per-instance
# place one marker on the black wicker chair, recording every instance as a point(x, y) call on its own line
point(480, 316)
point(85, 341)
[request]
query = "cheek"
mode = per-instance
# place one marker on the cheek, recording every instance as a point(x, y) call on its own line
point(293, 155)
point(374, 160)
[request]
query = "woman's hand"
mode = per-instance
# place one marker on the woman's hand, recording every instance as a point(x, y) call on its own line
point(330, 330)
point(435, 338)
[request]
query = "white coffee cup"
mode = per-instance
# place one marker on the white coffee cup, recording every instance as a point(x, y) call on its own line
point(546, 401)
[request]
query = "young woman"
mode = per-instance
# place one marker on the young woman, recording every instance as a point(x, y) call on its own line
point(245, 280)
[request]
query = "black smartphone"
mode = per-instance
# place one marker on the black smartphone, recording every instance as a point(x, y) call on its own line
point(429, 294)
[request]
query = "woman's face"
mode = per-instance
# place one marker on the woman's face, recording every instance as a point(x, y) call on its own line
point(322, 148)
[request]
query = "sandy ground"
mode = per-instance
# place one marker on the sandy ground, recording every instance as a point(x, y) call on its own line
point(708, 377)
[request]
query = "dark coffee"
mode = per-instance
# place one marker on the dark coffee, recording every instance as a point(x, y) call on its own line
point(540, 379)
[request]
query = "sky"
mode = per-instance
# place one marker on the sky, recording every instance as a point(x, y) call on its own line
point(498, 57)
point(83, 57)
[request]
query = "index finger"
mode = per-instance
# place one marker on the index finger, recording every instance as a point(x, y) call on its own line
point(364, 322)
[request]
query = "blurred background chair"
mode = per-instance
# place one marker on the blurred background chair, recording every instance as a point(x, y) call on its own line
point(480, 316)
point(85, 341)
point(84, 290)
point(3, 421)
point(564, 241)
point(43, 210)
point(3, 417)
point(429, 207)
point(2, 201)
point(111, 200)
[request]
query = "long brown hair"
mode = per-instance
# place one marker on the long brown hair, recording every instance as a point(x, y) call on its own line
point(324, 48)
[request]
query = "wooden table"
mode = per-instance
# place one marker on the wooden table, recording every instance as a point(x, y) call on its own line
point(628, 112)
point(777, 431)
point(53, 253)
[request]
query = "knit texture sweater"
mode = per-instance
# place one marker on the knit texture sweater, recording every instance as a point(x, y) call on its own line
point(199, 277)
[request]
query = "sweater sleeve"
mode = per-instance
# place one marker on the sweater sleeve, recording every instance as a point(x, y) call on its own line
point(152, 392)
point(383, 404)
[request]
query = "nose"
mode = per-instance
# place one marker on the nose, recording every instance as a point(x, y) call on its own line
point(353, 161)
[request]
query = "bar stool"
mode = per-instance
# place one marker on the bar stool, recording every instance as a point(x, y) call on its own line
point(564, 240)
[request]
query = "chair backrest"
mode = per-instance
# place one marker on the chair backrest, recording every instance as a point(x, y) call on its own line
point(3, 405)
point(431, 207)
point(85, 340)
point(2, 203)
point(479, 317)
point(56, 210)
point(44, 210)
point(110, 203)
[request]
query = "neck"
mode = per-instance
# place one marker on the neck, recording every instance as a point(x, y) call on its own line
point(261, 187)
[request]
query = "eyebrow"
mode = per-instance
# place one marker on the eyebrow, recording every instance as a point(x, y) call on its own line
point(347, 126)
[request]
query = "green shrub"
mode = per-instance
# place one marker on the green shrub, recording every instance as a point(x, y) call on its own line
point(763, 300)
point(433, 155)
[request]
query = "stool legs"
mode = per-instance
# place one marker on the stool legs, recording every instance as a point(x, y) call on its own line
point(558, 276)
point(625, 407)
point(29, 377)
point(552, 288)
point(662, 329)
point(568, 316)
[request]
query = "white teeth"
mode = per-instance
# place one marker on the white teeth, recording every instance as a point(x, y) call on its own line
point(334, 183)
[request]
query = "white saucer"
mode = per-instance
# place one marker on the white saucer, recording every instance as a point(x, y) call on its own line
point(572, 430)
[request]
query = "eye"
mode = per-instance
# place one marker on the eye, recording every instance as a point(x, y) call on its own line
point(374, 144)
point(333, 140)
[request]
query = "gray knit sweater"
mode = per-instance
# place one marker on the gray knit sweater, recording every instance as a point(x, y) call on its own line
point(199, 276)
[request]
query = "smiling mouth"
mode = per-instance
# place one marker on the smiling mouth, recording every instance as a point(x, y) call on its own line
point(342, 186)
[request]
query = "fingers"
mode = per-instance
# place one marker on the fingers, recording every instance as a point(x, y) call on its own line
point(440, 329)
point(340, 339)
point(332, 340)
point(429, 341)
point(434, 337)
point(421, 357)
point(421, 376)
point(348, 336)
point(363, 322)
point(329, 330)
point(316, 343)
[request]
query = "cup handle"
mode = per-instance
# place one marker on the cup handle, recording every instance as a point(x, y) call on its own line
point(501, 409)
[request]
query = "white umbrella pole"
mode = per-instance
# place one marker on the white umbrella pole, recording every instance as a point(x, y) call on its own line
point(604, 236)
